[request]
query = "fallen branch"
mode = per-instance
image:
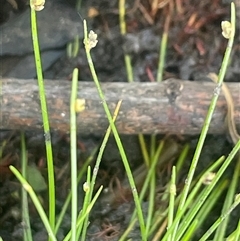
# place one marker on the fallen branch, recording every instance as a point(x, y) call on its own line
point(173, 107)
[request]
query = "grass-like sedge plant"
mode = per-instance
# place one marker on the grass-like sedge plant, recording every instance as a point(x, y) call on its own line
point(36, 202)
point(163, 45)
point(73, 145)
point(44, 110)
point(122, 23)
point(78, 230)
point(81, 175)
point(175, 234)
point(160, 215)
point(188, 226)
point(234, 182)
point(90, 41)
point(130, 77)
point(180, 225)
point(96, 168)
point(27, 232)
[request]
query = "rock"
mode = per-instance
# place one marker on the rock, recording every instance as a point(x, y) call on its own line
point(58, 23)
point(26, 69)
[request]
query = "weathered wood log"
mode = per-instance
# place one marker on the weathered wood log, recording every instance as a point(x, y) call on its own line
point(173, 106)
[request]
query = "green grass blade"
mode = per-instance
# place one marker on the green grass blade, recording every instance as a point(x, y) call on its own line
point(221, 218)
point(36, 202)
point(207, 120)
point(73, 147)
point(151, 202)
point(86, 202)
point(172, 191)
point(144, 149)
point(98, 161)
point(205, 210)
point(46, 127)
point(90, 41)
point(235, 236)
point(204, 194)
point(191, 197)
point(220, 232)
point(68, 199)
point(89, 208)
point(163, 45)
point(27, 233)
point(127, 57)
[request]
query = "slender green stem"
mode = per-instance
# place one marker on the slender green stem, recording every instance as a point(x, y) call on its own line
point(73, 47)
point(46, 127)
point(98, 161)
point(191, 197)
point(194, 163)
point(207, 121)
point(86, 202)
point(205, 210)
point(88, 210)
point(197, 185)
point(128, 230)
point(227, 54)
point(144, 149)
point(36, 202)
point(221, 231)
point(68, 199)
point(25, 211)
point(83, 213)
point(236, 234)
point(163, 45)
point(172, 191)
point(221, 218)
point(151, 202)
point(78, 5)
point(73, 145)
point(150, 172)
point(153, 145)
point(115, 133)
point(127, 57)
point(202, 197)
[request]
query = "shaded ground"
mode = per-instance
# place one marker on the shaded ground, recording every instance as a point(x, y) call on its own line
point(195, 48)
point(195, 45)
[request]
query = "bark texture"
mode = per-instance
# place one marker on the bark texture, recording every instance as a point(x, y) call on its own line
point(171, 107)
